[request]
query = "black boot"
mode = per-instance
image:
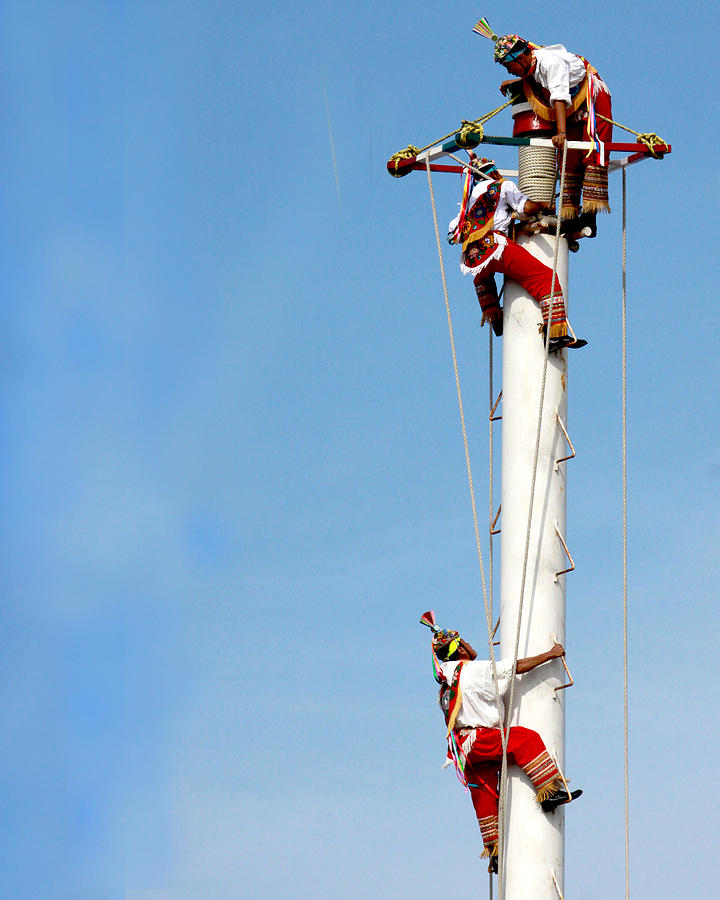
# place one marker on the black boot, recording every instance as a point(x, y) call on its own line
point(567, 340)
point(559, 343)
point(559, 798)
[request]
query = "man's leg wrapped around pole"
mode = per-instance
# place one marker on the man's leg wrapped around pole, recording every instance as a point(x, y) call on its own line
point(482, 779)
point(536, 278)
point(527, 750)
point(482, 747)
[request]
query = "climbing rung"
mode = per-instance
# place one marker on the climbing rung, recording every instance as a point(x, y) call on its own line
point(493, 530)
point(565, 547)
point(567, 438)
point(561, 687)
point(493, 417)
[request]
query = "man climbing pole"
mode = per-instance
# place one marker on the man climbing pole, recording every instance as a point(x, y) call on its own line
point(481, 227)
point(565, 91)
point(473, 714)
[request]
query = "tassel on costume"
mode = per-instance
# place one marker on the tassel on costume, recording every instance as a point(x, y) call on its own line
point(489, 832)
point(489, 850)
point(544, 775)
point(549, 789)
point(568, 211)
point(559, 329)
point(595, 190)
point(570, 207)
point(592, 206)
point(558, 322)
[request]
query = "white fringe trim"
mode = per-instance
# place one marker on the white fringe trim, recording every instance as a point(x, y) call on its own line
point(600, 87)
point(496, 254)
point(469, 741)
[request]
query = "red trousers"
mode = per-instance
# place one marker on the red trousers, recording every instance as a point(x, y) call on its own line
point(483, 750)
point(533, 276)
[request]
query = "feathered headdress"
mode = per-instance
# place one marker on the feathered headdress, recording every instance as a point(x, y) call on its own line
point(441, 638)
point(482, 26)
point(508, 47)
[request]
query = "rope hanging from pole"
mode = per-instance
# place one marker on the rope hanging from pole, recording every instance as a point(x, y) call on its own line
point(488, 610)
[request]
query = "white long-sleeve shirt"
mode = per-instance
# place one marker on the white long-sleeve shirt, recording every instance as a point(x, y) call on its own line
point(558, 71)
point(478, 708)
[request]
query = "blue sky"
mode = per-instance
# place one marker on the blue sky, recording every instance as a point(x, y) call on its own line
point(233, 474)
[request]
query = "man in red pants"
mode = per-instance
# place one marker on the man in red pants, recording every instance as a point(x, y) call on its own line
point(470, 704)
point(567, 93)
point(481, 227)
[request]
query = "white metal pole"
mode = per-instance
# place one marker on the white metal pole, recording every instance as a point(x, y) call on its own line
point(534, 849)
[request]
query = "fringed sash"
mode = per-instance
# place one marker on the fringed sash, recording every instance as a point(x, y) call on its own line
point(450, 703)
point(480, 219)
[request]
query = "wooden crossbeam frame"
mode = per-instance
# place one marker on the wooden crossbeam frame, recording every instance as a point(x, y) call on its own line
point(637, 152)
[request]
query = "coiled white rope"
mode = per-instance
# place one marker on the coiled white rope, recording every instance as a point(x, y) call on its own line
point(537, 172)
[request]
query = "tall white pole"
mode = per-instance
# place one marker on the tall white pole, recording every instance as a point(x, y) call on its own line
point(534, 849)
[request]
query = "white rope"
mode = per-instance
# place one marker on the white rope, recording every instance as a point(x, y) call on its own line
point(488, 610)
point(624, 511)
point(457, 384)
point(469, 164)
point(537, 172)
point(505, 732)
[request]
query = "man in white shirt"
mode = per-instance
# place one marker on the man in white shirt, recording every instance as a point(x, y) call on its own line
point(565, 91)
point(473, 712)
point(481, 227)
